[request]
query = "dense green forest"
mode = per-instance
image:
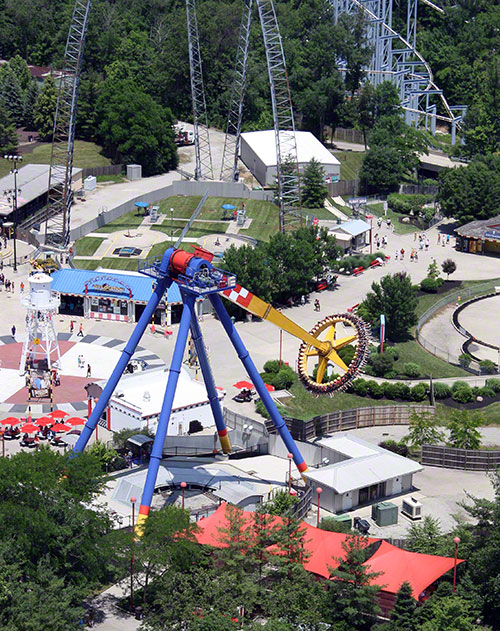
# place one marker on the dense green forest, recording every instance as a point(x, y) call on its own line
point(145, 42)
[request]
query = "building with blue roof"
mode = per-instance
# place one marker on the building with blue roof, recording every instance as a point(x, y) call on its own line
point(356, 231)
point(108, 295)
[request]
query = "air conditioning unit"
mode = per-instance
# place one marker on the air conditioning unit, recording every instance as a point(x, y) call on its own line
point(412, 508)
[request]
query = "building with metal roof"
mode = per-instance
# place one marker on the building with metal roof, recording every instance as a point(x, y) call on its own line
point(258, 153)
point(355, 230)
point(480, 237)
point(360, 474)
point(108, 295)
point(33, 180)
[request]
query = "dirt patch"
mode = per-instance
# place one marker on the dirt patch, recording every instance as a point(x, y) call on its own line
point(473, 405)
point(448, 285)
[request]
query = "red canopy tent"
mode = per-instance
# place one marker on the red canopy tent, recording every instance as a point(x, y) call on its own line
point(324, 548)
point(397, 565)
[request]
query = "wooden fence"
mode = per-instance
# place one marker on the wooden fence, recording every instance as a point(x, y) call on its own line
point(110, 169)
point(453, 458)
point(348, 135)
point(343, 187)
point(343, 420)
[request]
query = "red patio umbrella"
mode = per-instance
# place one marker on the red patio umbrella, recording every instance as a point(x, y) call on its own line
point(10, 420)
point(58, 414)
point(269, 388)
point(243, 384)
point(75, 420)
point(60, 427)
point(44, 420)
point(29, 428)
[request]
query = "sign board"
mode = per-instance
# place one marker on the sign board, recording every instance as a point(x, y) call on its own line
point(492, 234)
point(382, 332)
point(36, 341)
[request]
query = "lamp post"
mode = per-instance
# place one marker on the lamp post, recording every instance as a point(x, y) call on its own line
point(171, 226)
point(319, 490)
point(290, 458)
point(15, 191)
point(456, 541)
point(183, 487)
point(133, 500)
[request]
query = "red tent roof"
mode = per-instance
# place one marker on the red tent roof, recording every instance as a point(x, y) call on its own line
point(324, 547)
point(397, 565)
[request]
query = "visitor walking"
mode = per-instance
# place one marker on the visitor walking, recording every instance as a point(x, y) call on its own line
point(89, 371)
point(80, 331)
point(13, 330)
point(22, 287)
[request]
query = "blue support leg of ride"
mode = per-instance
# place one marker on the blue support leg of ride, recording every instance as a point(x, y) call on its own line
point(254, 375)
point(206, 371)
point(127, 353)
point(166, 409)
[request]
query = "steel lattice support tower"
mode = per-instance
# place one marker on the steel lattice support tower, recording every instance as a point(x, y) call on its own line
point(60, 196)
point(203, 154)
point(229, 171)
point(284, 124)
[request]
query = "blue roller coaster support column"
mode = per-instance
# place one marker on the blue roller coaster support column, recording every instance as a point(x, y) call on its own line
point(210, 385)
point(127, 353)
point(253, 373)
point(166, 409)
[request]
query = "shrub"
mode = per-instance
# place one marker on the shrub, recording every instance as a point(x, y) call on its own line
point(411, 370)
point(392, 374)
point(458, 384)
point(463, 394)
point(494, 384)
point(284, 379)
point(439, 281)
point(404, 390)
point(391, 350)
point(464, 360)
point(400, 448)
point(261, 409)
point(430, 285)
point(381, 363)
point(272, 365)
point(486, 392)
point(487, 367)
point(347, 353)
point(334, 525)
point(375, 390)
point(268, 378)
point(442, 390)
point(418, 392)
point(360, 387)
point(391, 390)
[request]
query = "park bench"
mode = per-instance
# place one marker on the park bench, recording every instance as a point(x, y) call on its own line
point(353, 308)
point(358, 270)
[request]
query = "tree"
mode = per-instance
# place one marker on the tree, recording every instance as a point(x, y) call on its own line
point(45, 108)
point(433, 270)
point(281, 503)
point(382, 169)
point(396, 298)
point(450, 613)
point(134, 128)
point(448, 266)
point(314, 190)
point(351, 44)
point(11, 94)
point(30, 99)
point(8, 136)
point(423, 430)
point(403, 614)
point(463, 428)
point(426, 537)
point(351, 598)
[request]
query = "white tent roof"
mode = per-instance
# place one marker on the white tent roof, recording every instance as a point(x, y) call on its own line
point(144, 391)
point(308, 147)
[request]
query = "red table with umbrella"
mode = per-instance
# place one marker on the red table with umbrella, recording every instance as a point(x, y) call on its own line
point(60, 427)
point(58, 414)
point(10, 420)
point(29, 428)
point(44, 420)
point(248, 385)
point(74, 420)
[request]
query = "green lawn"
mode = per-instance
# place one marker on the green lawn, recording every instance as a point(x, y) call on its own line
point(350, 163)
point(427, 300)
point(412, 352)
point(116, 179)
point(399, 228)
point(159, 248)
point(128, 221)
point(129, 265)
point(264, 214)
point(197, 230)
point(87, 246)
point(87, 154)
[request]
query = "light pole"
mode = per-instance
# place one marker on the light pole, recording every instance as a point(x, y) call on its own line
point(319, 490)
point(133, 500)
point(171, 226)
point(290, 457)
point(456, 541)
point(14, 171)
point(183, 487)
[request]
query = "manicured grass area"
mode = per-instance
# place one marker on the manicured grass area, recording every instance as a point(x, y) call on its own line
point(427, 300)
point(129, 265)
point(159, 248)
point(197, 230)
point(350, 163)
point(87, 263)
point(130, 220)
point(264, 215)
point(87, 154)
point(399, 228)
point(412, 352)
point(87, 246)
point(490, 414)
point(116, 179)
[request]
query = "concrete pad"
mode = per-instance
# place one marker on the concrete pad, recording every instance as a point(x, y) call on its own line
point(481, 320)
point(101, 359)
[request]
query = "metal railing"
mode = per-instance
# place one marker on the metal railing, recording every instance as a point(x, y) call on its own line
point(453, 297)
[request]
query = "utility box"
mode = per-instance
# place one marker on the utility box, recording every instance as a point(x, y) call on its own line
point(153, 214)
point(90, 183)
point(344, 519)
point(412, 508)
point(134, 172)
point(385, 514)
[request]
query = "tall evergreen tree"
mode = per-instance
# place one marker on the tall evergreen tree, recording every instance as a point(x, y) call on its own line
point(8, 136)
point(403, 614)
point(11, 94)
point(45, 109)
point(30, 99)
point(314, 190)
